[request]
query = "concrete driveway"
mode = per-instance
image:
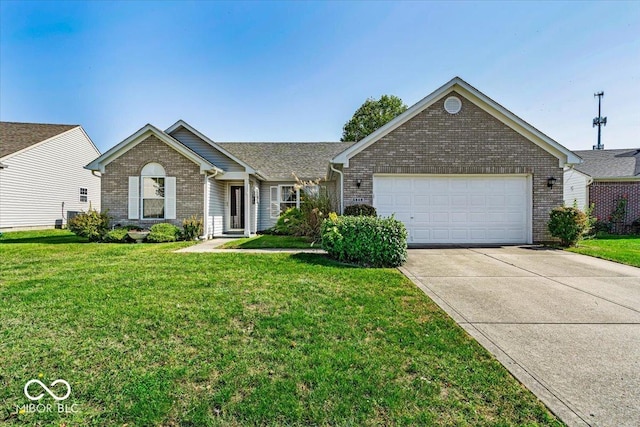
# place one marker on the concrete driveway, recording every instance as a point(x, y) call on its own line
point(566, 325)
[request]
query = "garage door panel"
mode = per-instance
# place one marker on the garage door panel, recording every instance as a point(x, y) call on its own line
point(440, 200)
point(460, 234)
point(457, 209)
point(458, 217)
point(403, 200)
point(478, 234)
point(440, 234)
point(459, 200)
point(403, 184)
point(421, 201)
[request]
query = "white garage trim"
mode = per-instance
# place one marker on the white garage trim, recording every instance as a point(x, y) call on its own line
point(458, 209)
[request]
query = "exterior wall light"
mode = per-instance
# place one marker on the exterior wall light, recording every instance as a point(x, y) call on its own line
point(358, 182)
point(550, 181)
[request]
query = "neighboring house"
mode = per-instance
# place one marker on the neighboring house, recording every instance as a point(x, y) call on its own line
point(42, 178)
point(603, 178)
point(456, 167)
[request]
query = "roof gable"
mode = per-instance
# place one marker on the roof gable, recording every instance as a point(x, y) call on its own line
point(181, 124)
point(139, 136)
point(16, 137)
point(473, 95)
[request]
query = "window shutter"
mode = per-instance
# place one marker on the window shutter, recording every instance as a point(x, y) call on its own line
point(170, 197)
point(275, 202)
point(134, 197)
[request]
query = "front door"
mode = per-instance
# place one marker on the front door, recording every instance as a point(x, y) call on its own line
point(237, 207)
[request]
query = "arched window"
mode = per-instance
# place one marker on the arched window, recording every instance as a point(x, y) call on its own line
point(153, 181)
point(152, 194)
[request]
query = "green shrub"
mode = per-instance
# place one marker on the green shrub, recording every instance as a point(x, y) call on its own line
point(130, 227)
point(91, 224)
point(192, 228)
point(288, 222)
point(360, 210)
point(163, 232)
point(568, 224)
point(117, 235)
point(365, 240)
point(305, 221)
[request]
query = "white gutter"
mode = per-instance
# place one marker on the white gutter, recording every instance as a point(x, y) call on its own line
point(341, 187)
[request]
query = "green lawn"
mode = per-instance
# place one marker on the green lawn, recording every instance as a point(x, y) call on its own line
point(266, 241)
point(146, 336)
point(624, 249)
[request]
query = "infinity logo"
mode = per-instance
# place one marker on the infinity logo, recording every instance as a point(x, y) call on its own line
point(38, 397)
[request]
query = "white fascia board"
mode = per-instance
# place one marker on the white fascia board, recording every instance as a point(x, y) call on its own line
point(139, 136)
point(37, 144)
point(232, 176)
point(563, 154)
point(181, 123)
point(570, 168)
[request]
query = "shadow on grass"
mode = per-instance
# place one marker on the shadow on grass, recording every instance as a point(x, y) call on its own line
point(320, 259)
point(49, 240)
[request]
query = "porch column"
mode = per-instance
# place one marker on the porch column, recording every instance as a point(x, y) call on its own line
point(247, 207)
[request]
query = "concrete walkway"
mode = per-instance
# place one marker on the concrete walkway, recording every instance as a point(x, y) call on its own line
point(566, 325)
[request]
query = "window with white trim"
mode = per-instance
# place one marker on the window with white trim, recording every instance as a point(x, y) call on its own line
point(152, 195)
point(84, 195)
point(282, 198)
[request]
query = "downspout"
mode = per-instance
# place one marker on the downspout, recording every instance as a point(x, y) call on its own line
point(341, 187)
point(94, 174)
point(205, 218)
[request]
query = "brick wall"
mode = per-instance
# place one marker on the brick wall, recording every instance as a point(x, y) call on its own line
point(604, 197)
point(189, 181)
point(470, 142)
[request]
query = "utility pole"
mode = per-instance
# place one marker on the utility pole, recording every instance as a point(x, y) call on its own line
point(599, 121)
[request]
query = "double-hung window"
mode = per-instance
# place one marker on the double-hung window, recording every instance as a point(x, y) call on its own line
point(84, 195)
point(152, 195)
point(282, 198)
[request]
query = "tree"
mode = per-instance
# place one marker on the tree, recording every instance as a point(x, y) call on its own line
point(372, 115)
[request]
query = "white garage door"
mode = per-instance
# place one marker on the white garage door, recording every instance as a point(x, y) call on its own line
point(457, 209)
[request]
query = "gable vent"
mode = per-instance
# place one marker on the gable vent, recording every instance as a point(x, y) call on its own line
point(452, 105)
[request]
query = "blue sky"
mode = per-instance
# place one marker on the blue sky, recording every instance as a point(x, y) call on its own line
point(296, 71)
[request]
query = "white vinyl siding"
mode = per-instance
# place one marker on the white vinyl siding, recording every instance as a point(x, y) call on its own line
point(40, 185)
point(575, 189)
point(206, 151)
point(274, 204)
point(217, 193)
point(492, 209)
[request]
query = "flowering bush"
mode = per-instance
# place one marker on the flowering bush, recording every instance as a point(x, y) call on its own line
point(568, 224)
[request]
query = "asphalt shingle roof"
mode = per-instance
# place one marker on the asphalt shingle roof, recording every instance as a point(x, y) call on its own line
point(18, 136)
point(277, 160)
point(617, 163)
